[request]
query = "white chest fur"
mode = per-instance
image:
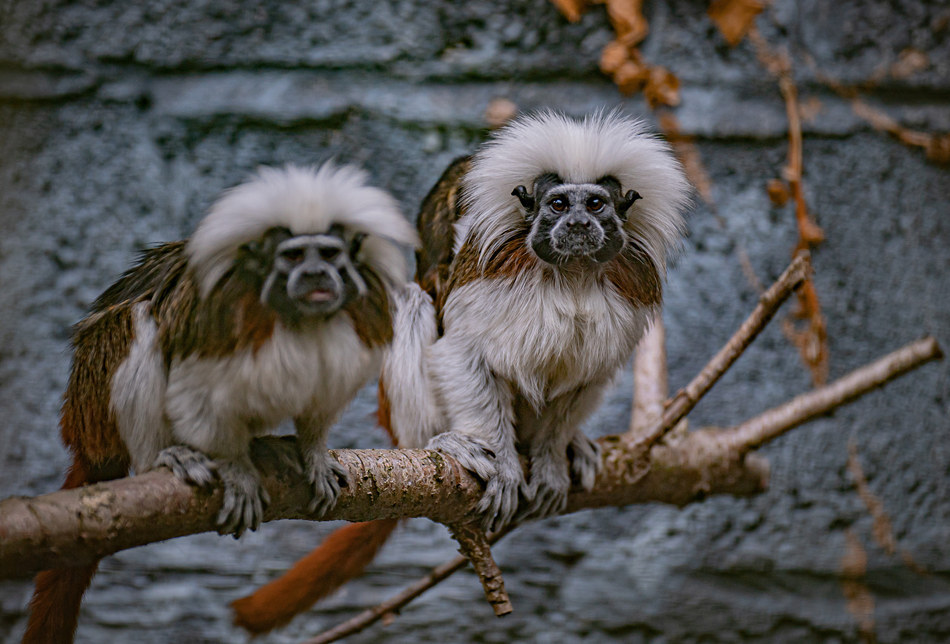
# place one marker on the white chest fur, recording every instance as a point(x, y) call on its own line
point(546, 335)
point(291, 374)
point(216, 403)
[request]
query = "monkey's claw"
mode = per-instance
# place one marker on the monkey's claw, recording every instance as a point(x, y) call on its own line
point(327, 477)
point(189, 465)
point(584, 456)
point(501, 472)
point(499, 503)
point(244, 498)
point(546, 492)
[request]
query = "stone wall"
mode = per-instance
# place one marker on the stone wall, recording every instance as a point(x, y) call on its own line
point(120, 122)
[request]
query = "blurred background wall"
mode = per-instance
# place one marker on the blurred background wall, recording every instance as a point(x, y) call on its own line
point(120, 122)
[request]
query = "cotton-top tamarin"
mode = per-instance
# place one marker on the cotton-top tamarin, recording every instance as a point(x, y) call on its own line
point(278, 307)
point(542, 263)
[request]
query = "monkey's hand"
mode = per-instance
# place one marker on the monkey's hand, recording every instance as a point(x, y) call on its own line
point(244, 497)
point(326, 477)
point(546, 491)
point(188, 464)
point(584, 455)
point(500, 469)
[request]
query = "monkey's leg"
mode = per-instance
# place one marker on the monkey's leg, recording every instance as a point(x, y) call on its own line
point(325, 473)
point(585, 458)
point(558, 430)
point(482, 436)
point(244, 497)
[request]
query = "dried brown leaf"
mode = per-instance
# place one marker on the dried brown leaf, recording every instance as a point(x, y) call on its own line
point(628, 21)
point(662, 87)
point(613, 56)
point(631, 76)
point(810, 338)
point(778, 192)
point(570, 9)
point(734, 18)
point(499, 111)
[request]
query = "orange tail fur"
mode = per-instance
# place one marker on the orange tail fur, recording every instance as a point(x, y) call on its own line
point(341, 557)
point(54, 609)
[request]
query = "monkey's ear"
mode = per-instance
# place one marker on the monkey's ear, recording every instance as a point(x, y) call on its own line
point(626, 202)
point(526, 200)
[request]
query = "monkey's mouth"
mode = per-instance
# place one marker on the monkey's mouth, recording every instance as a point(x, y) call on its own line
point(319, 295)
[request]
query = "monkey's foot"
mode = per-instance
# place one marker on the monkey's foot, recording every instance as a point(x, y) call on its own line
point(584, 455)
point(546, 492)
point(326, 477)
point(500, 471)
point(188, 464)
point(244, 498)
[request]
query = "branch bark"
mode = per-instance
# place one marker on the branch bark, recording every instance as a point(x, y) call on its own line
point(75, 527)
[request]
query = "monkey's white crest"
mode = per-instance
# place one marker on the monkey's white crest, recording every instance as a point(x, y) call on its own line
point(578, 151)
point(305, 200)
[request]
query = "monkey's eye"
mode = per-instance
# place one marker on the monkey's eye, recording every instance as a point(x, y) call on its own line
point(595, 204)
point(293, 255)
point(558, 204)
point(329, 253)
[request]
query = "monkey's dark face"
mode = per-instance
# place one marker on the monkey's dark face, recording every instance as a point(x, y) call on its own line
point(306, 276)
point(576, 220)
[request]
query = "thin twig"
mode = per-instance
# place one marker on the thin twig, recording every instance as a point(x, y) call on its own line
point(773, 423)
point(650, 388)
point(392, 605)
point(812, 341)
point(474, 546)
point(686, 398)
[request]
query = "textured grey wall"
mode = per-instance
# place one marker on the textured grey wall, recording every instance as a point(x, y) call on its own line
point(119, 122)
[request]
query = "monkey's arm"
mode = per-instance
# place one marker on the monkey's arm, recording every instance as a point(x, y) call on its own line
point(481, 432)
point(325, 473)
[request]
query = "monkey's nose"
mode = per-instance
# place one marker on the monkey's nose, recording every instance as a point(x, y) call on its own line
point(574, 223)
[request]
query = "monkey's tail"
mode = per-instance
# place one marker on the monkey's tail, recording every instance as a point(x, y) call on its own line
point(415, 416)
point(54, 608)
point(341, 557)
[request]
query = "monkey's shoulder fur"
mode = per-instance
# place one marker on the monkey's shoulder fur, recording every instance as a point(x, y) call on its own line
point(231, 319)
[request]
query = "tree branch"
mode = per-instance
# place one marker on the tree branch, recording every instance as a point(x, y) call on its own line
point(775, 422)
point(650, 385)
point(75, 527)
point(686, 398)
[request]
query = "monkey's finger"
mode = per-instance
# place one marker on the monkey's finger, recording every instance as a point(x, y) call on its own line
point(341, 473)
point(188, 464)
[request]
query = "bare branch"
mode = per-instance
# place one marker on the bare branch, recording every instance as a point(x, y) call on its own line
point(75, 527)
point(775, 422)
point(650, 388)
point(474, 546)
point(686, 398)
